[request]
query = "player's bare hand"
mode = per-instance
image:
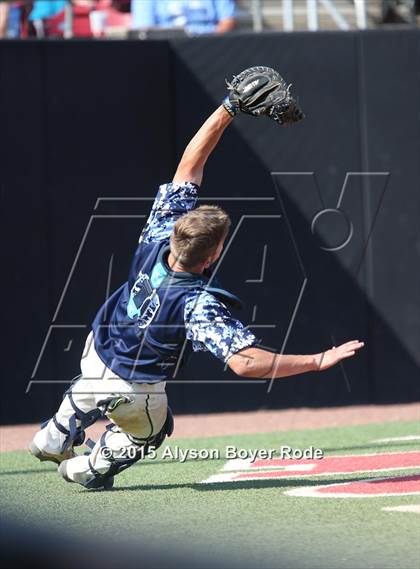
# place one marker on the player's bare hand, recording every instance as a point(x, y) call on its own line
point(331, 357)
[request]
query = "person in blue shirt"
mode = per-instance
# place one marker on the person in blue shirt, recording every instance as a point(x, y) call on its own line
point(195, 16)
point(12, 17)
point(43, 9)
point(170, 305)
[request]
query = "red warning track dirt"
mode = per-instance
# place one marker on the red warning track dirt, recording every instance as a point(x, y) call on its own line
point(16, 437)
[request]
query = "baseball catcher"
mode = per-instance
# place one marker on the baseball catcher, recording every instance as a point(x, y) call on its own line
point(169, 306)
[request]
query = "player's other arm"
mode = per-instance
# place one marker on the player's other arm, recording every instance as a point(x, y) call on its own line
point(255, 362)
point(200, 147)
point(210, 326)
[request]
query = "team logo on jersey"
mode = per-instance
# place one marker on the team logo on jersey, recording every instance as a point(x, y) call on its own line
point(144, 301)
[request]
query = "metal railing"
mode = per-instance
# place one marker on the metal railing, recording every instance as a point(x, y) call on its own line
point(343, 14)
point(290, 15)
point(287, 9)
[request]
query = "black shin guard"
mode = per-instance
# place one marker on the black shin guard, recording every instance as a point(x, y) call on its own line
point(119, 464)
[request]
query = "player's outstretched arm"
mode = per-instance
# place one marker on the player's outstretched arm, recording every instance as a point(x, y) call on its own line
point(191, 166)
point(257, 91)
point(255, 362)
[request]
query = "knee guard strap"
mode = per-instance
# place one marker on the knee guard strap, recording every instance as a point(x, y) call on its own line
point(76, 433)
point(74, 436)
point(86, 419)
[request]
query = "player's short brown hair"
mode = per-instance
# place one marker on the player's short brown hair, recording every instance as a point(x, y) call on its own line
point(197, 234)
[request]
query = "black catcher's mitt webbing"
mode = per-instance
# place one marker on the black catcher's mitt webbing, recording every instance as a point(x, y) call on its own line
point(259, 91)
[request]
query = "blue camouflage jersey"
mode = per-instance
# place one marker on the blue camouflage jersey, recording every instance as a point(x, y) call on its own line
point(149, 326)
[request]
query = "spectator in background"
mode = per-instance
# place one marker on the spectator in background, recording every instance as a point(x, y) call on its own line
point(43, 10)
point(4, 18)
point(12, 18)
point(48, 17)
point(195, 16)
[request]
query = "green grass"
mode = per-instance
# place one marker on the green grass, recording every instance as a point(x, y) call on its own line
point(163, 502)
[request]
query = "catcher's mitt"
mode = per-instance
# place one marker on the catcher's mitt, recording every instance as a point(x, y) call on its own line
point(261, 91)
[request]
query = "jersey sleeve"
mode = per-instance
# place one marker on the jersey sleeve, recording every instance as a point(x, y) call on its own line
point(225, 9)
point(210, 326)
point(172, 201)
